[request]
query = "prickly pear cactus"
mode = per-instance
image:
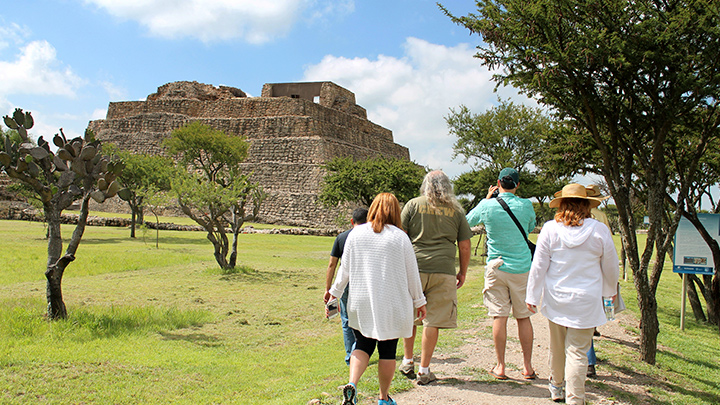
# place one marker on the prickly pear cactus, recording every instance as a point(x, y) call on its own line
point(77, 166)
point(76, 169)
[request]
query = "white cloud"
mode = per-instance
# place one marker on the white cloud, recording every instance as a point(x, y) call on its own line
point(253, 21)
point(321, 10)
point(11, 33)
point(412, 95)
point(98, 114)
point(37, 71)
point(114, 92)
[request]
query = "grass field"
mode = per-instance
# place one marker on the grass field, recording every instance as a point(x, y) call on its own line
point(165, 325)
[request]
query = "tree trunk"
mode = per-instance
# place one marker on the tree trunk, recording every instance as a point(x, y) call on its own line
point(132, 221)
point(137, 215)
point(233, 250)
point(715, 290)
point(157, 231)
point(693, 297)
point(237, 219)
point(55, 305)
point(220, 249)
point(649, 325)
point(706, 289)
point(56, 268)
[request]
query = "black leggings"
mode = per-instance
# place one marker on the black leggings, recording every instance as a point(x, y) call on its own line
point(386, 348)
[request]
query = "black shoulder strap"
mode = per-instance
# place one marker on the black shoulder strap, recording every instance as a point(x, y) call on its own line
point(506, 208)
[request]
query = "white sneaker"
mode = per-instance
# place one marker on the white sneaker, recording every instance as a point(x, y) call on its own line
point(557, 394)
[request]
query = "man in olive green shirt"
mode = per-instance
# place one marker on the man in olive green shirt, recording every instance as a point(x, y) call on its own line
point(436, 225)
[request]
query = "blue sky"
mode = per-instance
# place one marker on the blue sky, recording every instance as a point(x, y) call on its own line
point(406, 62)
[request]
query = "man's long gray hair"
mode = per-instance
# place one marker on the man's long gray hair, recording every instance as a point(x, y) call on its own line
point(437, 188)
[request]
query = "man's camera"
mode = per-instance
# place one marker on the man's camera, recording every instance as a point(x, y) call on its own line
point(495, 193)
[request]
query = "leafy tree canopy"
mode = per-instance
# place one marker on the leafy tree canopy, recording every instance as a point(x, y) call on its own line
point(208, 150)
point(352, 181)
point(144, 175)
point(508, 135)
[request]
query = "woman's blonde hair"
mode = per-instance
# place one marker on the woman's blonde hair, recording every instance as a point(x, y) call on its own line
point(573, 211)
point(384, 210)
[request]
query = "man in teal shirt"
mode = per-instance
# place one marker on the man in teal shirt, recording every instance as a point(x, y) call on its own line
point(508, 265)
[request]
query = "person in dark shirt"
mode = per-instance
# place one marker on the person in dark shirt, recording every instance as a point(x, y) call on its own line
point(359, 217)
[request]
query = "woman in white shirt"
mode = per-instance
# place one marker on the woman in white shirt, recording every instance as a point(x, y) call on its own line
point(574, 266)
point(385, 294)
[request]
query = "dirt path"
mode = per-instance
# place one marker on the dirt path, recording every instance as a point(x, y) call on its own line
point(463, 378)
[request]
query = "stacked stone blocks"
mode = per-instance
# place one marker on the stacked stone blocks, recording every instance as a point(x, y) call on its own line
point(290, 135)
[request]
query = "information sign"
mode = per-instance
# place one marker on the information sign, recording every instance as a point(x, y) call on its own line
point(692, 255)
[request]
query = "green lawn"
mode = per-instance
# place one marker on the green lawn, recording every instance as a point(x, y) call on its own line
point(165, 325)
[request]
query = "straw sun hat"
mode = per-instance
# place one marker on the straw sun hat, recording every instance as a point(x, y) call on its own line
point(591, 193)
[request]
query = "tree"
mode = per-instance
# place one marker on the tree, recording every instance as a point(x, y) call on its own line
point(156, 201)
point(508, 135)
point(77, 171)
point(144, 175)
point(359, 181)
point(705, 176)
point(627, 73)
point(212, 190)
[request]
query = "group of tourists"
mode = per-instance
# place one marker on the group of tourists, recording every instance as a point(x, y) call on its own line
point(397, 272)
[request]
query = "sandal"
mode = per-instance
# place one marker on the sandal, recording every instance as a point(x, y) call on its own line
point(498, 376)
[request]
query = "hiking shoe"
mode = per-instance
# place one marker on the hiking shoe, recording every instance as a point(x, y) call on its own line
point(388, 401)
point(423, 379)
point(557, 394)
point(591, 371)
point(349, 394)
point(408, 370)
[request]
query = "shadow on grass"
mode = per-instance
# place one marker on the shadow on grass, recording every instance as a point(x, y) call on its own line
point(629, 397)
point(164, 240)
point(244, 274)
point(199, 339)
point(708, 397)
point(118, 321)
point(627, 343)
point(707, 364)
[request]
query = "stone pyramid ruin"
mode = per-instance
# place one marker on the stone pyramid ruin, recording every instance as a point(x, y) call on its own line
point(292, 128)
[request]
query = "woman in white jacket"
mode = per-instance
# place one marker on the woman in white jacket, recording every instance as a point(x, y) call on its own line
point(385, 292)
point(574, 266)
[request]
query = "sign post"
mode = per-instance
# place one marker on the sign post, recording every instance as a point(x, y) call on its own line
point(691, 254)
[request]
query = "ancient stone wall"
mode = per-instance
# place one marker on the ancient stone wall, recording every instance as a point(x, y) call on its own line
point(290, 136)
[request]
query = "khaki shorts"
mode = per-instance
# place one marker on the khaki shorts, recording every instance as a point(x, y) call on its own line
point(440, 291)
point(504, 291)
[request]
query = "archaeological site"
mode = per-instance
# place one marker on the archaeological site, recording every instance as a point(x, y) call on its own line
point(292, 128)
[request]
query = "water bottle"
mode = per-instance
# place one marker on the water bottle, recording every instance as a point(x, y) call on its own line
point(609, 307)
